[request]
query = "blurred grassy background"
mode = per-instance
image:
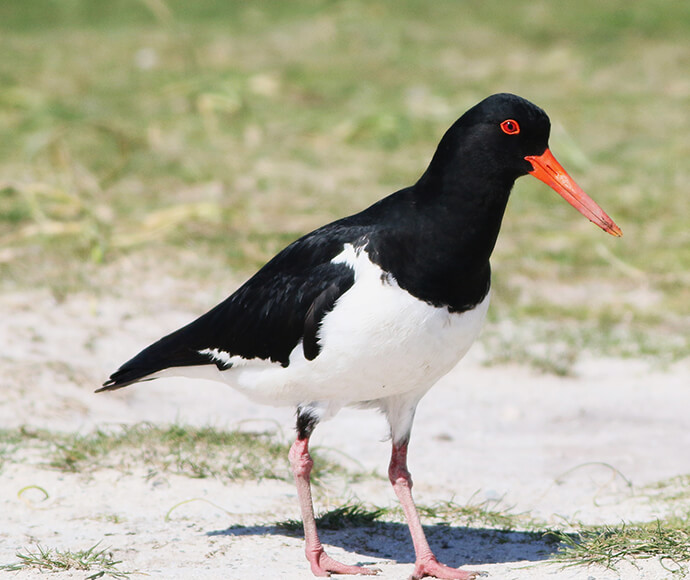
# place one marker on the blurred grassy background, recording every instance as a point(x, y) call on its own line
point(221, 130)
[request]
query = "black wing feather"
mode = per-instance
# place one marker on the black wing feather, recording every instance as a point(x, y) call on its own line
point(324, 303)
point(265, 318)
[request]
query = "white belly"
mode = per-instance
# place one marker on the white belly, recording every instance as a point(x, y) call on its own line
point(378, 341)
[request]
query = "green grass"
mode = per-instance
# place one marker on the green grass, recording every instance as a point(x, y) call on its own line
point(183, 450)
point(485, 514)
point(666, 540)
point(675, 489)
point(100, 562)
point(349, 515)
point(555, 346)
point(227, 129)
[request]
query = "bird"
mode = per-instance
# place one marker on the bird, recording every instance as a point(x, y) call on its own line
point(372, 309)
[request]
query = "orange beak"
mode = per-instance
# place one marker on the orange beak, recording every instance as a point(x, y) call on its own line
point(551, 172)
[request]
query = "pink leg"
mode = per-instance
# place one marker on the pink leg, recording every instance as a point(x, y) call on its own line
point(321, 563)
point(426, 563)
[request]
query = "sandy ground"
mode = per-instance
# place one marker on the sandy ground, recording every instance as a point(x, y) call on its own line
point(581, 448)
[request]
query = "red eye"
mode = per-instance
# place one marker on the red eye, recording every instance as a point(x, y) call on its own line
point(510, 127)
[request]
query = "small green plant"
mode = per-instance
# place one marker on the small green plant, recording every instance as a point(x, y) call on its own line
point(473, 514)
point(350, 515)
point(667, 540)
point(100, 561)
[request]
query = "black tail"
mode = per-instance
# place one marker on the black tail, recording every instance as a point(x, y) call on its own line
point(179, 349)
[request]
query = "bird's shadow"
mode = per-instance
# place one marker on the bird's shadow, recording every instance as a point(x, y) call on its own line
point(453, 545)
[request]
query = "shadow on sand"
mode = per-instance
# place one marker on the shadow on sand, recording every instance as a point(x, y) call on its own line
point(454, 546)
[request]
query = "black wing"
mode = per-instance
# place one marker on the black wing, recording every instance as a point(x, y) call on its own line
point(280, 305)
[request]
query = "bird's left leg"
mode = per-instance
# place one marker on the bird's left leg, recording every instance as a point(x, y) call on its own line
point(400, 412)
point(426, 563)
point(300, 460)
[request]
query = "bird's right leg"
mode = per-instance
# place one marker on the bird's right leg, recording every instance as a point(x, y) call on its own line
point(300, 460)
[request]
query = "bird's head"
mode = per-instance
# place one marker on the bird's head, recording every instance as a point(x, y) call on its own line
point(508, 136)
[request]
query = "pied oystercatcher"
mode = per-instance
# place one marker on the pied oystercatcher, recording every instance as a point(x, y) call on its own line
point(371, 310)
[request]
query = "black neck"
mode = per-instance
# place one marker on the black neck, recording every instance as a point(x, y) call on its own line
point(443, 232)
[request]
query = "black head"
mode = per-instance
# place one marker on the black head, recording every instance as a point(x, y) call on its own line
point(495, 136)
point(506, 128)
point(498, 140)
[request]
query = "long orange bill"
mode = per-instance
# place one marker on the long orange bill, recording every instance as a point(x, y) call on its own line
point(551, 172)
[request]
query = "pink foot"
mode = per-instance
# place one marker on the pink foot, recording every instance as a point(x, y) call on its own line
point(434, 569)
point(322, 565)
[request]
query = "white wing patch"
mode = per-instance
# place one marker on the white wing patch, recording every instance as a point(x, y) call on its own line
point(223, 357)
